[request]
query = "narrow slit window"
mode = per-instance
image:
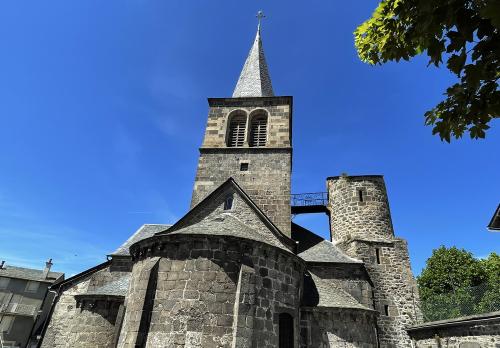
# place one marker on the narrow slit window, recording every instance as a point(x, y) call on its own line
point(377, 254)
point(228, 203)
point(360, 195)
point(236, 134)
point(386, 310)
point(258, 131)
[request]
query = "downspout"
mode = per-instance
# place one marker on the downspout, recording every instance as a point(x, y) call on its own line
point(49, 316)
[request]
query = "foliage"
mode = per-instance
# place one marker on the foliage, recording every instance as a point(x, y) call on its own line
point(448, 270)
point(464, 32)
point(491, 299)
point(454, 284)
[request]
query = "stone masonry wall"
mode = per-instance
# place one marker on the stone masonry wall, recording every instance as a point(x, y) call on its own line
point(337, 327)
point(361, 224)
point(278, 110)
point(88, 325)
point(394, 287)
point(267, 179)
point(473, 332)
point(212, 291)
point(352, 218)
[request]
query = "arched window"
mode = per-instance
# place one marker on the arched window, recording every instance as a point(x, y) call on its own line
point(236, 132)
point(258, 131)
point(285, 331)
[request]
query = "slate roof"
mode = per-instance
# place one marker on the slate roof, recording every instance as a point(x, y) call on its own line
point(196, 222)
point(29, 274)
point(325, 293)
point(254, 80)
point(313, 248)
point(145, 231)
point(118, 287)
point(228, 225)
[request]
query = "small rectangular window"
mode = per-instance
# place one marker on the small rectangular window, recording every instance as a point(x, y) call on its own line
point(360, 195)
point(4, 282)
point(377, 254)
point(228, 203)
point(31, 286)
point(386, 310)
point(244, 167)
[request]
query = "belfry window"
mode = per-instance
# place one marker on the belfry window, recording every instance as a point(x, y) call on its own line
point(236, 134)
point(285, 330)
point(258, 131)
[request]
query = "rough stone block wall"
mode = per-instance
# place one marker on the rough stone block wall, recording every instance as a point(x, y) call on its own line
point(361, 224)
point(90, 325)
point(267, 180)
point(472, 333)
point(353, 278)
point(278, 109)
point(394, 286)
point(337, 327)
point(352, 218)
point(134, 301)
point(213, 291)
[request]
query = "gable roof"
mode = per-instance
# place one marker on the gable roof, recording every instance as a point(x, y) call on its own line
point(29, 274)
point(145, 231)
point(195, 222)
point(313, 248)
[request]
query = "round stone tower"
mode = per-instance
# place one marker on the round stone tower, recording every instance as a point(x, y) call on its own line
point(361, 225)
point(359, 208)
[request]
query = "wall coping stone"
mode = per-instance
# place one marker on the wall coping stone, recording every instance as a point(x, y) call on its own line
point(461, 321)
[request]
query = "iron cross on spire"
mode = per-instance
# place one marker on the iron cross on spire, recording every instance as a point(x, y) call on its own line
point(260, 15)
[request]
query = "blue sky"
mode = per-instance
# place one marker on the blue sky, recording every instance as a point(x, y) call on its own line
point(103, 107)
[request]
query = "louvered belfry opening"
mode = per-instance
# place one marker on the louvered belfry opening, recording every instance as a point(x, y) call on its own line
point(258, 131)
point(236, 135)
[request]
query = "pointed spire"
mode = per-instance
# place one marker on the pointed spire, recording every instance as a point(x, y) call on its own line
point(254, 79)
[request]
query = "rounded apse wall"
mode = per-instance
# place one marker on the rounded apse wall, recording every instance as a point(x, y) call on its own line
point(199, 290)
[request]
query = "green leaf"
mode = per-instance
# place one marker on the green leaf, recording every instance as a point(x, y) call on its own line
point(472, 75)
point(492, 11)
point(456, 63)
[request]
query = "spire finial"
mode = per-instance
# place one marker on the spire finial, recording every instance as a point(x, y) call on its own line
point(259, 16)
point(254, 79)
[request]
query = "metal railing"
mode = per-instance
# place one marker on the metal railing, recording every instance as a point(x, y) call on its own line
point(484, 298)
point(19, 308)
point(309, 199)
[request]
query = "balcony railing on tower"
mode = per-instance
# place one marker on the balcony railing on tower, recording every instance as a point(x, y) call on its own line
point(311, 202)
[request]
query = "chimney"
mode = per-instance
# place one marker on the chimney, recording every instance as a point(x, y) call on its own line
point(1, 264)
point(46, 271)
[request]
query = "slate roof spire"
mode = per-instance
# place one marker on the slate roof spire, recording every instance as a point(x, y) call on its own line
point(254, 79)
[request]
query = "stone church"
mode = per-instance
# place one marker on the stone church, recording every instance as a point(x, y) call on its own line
point(235, 271)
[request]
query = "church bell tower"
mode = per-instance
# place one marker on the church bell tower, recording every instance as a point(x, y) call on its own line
point(249, 138)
